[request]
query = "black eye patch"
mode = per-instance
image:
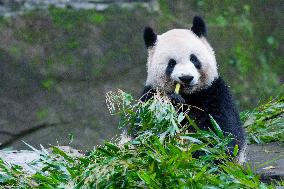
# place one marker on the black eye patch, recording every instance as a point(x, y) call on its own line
point(170, 67)
point(195, 61)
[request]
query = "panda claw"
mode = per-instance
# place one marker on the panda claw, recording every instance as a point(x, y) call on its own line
point(176, 99)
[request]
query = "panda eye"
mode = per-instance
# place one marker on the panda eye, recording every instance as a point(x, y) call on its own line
point(195, 61)
point(170, 67)
point(172, 63)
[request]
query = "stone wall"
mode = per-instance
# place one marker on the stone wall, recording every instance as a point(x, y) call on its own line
point(12, 7)
point(57, 65)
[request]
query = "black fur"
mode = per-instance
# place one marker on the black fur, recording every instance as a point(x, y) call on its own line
point(195, 61)
point(150, 37)
point(199, 27)
point(147, 94)
point(216, 101)
point(170, 67)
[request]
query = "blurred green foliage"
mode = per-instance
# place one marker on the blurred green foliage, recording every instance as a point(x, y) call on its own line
point(14, 51)
point(48, 83)
point(246, 38)
point(42, 114)
point(265, 123)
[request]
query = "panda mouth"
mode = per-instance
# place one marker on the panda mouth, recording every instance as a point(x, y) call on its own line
point(186, 87)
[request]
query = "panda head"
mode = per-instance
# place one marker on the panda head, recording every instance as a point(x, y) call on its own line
point(180, 56)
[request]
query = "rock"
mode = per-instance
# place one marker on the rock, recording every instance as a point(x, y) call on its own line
point(22, 158)
point(53, 99)
point(28, 159)
point(267, 160)
point(14, 7)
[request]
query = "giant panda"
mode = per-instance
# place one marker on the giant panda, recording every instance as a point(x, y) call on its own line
point(184, 56)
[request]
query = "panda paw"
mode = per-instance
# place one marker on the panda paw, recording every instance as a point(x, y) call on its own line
point(176, 99)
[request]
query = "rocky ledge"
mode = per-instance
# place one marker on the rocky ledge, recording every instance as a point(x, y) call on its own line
point(13, 7)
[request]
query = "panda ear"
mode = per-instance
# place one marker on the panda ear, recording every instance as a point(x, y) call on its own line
point(150, 37)
point(199, 27)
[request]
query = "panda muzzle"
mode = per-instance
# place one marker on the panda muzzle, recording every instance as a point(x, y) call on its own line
point(186, 80)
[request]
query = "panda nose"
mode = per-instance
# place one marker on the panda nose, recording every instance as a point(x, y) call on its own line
point(186, 79)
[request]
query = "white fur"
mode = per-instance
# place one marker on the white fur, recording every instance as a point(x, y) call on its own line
point(241, 158)
point(184, 69)
point(178, 44)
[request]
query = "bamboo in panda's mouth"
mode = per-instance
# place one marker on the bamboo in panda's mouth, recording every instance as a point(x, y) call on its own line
point(177, 89)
